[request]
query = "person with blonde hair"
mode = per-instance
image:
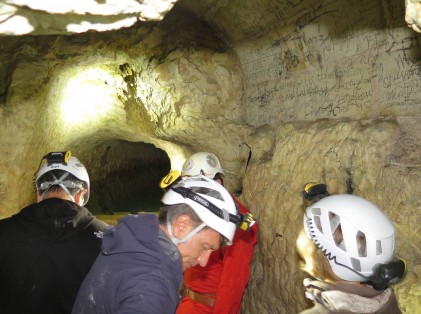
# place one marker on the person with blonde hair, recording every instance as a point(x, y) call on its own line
point(348, 246)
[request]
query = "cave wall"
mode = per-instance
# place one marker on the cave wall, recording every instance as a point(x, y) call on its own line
point(158, 83)
point(351, 157)
point(315, 90)
point(337, 89)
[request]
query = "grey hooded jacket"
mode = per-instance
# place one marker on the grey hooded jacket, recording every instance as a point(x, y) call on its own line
point(138, 271)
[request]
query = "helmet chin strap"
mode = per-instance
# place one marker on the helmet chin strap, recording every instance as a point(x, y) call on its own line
point(187, 237)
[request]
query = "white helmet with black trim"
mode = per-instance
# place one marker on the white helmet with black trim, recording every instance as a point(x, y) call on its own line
point(366, 236)
point(71, 165)
point(203, 163)
point(211, 202)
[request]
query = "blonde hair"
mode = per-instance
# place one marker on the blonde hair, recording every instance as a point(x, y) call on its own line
point(314, 261)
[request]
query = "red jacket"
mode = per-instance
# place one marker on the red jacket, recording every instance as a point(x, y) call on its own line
point(227, 274)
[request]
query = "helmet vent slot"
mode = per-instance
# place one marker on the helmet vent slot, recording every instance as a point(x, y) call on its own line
point(316, 211)
point(356, 265)
point(336, 229)
point(316, 216)
point(379, 250)
point(361, 244)
point(318, 223)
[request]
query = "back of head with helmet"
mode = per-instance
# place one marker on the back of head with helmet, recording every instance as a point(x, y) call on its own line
point(74, 174)
point(355, 236)
point(209, 200)
point(202, 163)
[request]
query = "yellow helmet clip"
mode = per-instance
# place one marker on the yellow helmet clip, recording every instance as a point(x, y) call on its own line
point(169, 179)
point(308, 186)
point(67, 156)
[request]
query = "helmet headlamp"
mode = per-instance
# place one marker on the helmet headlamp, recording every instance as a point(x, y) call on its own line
point(62, 161)
point(244, 222)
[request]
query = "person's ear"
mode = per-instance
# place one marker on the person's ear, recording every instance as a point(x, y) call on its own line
point(39, 198)
point(79, 197)
point(182, 225)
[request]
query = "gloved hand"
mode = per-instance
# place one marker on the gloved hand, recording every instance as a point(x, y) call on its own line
point(312, 191)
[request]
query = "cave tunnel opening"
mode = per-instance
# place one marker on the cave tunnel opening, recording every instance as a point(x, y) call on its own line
point(126, 176)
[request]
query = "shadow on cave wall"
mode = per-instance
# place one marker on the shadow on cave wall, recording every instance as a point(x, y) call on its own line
point(134, 188)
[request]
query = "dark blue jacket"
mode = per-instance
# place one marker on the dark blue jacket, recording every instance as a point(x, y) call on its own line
point(46, 250)
point(139, 270)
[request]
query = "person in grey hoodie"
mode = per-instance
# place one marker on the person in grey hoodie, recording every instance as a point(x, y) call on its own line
point(140, 268)
point(348, 246)
point(47, 249)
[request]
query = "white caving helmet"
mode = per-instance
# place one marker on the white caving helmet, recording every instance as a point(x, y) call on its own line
point(359, 220)
point(203, 163)
point(211, 202)
point(62, 161)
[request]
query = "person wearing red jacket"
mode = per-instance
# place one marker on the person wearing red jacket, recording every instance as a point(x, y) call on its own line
point(218, 287)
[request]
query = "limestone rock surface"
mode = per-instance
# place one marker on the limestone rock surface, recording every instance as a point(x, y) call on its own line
point(18, 17)
point(413, 14)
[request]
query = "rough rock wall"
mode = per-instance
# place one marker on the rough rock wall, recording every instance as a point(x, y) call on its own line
point(351, 157)
point(413, 14)
point(325, 64)
point(332, 90)
point(160, 84)
point(19, 17)
point(336, 88)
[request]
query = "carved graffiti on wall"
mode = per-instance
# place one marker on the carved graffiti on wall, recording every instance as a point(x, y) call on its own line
point(330, 65)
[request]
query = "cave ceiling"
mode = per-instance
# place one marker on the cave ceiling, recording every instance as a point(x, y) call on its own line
point(235, 20)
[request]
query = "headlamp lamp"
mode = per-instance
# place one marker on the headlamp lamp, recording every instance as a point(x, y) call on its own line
point(244, 222)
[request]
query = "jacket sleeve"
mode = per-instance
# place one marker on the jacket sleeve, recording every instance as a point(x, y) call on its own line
point(236, 269)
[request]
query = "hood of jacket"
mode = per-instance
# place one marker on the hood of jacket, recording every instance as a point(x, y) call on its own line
point(348, 298)
point(129, 236)
point(54, 219)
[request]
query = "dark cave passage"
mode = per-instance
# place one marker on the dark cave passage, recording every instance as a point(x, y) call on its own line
point(131, 181)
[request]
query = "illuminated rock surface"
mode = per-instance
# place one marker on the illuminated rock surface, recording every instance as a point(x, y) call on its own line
point(19, 17)
point(316, 91)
